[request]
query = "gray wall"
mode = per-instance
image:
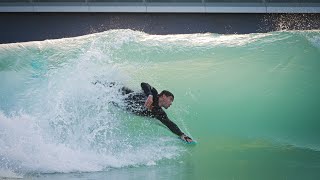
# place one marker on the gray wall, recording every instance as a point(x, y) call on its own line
point(164, 6)
point(179, 1)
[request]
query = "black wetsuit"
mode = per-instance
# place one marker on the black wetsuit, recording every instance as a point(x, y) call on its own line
point(135, 103)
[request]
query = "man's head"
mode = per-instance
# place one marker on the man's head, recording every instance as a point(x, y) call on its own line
point(165, 99)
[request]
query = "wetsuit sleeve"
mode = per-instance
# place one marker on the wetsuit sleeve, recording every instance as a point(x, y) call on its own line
point(162, 116)
point(149, 90)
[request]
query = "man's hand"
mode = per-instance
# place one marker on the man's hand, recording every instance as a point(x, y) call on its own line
point(148, 103)
point(186, 138)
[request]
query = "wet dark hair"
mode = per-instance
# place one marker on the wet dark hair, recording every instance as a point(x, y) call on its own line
point(167, 93)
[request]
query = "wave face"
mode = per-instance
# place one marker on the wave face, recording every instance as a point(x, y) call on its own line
point(54, 119)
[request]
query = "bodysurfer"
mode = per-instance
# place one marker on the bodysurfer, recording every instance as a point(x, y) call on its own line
point(152, 106)
point(149, 103)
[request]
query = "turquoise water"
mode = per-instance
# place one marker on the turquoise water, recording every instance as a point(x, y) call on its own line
point(251, 101)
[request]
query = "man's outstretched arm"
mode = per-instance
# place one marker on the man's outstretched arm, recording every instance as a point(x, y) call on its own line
point(162, 116)
point(171, 125)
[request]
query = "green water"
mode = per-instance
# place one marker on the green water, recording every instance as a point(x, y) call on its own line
point(250, 101)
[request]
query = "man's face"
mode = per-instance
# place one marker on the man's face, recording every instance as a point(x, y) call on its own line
point(167, 101)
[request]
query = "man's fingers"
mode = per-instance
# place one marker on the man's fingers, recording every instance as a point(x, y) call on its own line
point(148, 103)
point(188, 139)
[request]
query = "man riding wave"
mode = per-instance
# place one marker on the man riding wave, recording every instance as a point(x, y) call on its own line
point(149, 103)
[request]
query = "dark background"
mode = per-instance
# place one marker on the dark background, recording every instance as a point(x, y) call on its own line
point(21, 27)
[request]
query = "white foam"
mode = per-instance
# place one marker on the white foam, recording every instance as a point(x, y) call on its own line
point(206, 39)
point(7, 173)
point(315, 41)
point(27, 148)
point(62, 122)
